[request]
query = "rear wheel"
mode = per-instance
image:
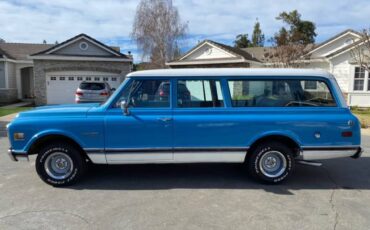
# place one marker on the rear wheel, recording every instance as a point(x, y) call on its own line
point(60, 164)
point(271, 162)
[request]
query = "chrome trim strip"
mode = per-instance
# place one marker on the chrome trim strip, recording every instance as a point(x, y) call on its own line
point(97, 157)
point(182, 149)
point(218, 149)
point(137, 150)
point(166, 155)
point(138, 157)
point(94, 150)
point(210, 157)
point(330, 147)
point(327, 154)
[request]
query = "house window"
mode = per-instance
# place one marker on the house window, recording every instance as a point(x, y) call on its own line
point(114, 79)
point(79, 78)
point(97, 79)
point(53, 78)
point(310, 85)
point(105, 79)
point(359, 79)
point(71, 78)
point(62, 78)
point(88, 78)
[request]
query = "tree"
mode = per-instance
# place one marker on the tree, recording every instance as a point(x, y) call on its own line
point(177, 51)
point(258, 38)
point(361, 50)
point(300, 31)
point(242, 41)
point(157, 29)
point(291, 44)
point(2, 40)
point(44, 42)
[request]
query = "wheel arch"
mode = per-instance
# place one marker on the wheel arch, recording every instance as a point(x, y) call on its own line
point(37, 144)
point(287, 140)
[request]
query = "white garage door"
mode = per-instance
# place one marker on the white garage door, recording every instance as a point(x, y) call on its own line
point(61, 89)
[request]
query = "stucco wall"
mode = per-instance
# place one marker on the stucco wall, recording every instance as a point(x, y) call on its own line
point(42, 67)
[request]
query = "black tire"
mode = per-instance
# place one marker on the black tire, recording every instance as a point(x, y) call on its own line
point(258, 169)
point(64, 151)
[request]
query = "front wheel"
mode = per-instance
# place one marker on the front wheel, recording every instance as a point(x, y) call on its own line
point(60, 164)
point(271, 162)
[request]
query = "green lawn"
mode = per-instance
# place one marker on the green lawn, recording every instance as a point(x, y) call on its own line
point(4, 112)
point(363, 115)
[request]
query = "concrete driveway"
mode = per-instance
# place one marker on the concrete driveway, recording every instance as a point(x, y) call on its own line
point(203, 196)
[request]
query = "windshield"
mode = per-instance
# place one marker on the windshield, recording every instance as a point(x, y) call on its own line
point(118, 90)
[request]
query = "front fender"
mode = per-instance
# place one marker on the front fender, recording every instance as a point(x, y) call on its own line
point(45, 133)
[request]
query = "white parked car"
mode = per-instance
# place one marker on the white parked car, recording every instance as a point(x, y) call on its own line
point(93, 92)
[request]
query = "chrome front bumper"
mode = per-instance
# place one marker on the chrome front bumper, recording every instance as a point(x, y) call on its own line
point(17, 156)
point(320, 153)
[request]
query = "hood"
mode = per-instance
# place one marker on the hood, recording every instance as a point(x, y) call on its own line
point(59, 110)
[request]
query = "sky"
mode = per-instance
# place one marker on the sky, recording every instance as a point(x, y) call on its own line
point(110, 21)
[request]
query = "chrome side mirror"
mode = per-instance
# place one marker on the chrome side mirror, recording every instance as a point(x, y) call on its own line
point(124, 107)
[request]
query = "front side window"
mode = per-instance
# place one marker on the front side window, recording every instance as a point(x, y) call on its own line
point(147, 94)
point(280, 93)
point(199, 94)
point(359, 79)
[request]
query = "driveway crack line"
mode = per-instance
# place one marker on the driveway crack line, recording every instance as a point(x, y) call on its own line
point(332, 196)
point(41, 211)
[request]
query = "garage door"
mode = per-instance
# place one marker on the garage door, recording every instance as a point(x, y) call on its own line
point(61, 89)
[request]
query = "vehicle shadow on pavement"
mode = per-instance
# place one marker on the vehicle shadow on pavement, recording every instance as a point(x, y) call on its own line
point(334, 174)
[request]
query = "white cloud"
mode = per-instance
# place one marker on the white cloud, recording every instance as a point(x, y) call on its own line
point(111, 20)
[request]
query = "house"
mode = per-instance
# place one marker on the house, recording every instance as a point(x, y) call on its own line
point(50, 74)
point(333, 55)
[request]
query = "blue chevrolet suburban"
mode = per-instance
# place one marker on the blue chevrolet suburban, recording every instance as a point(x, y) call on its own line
point(267, 119)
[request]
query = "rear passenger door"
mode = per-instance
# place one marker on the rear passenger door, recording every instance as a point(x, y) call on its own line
point(201, 129)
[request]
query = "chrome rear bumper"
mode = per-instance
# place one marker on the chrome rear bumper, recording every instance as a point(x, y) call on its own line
point(320, 153)
point(17, 156)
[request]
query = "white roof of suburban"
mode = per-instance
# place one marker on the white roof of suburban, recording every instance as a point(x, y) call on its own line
point(195, 72)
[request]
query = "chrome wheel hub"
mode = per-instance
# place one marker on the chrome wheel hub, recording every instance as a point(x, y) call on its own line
point(58, 165)
point(273, 164)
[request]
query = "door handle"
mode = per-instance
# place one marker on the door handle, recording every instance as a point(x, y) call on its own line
point(165, 119)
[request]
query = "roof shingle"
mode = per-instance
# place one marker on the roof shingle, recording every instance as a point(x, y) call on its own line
point(20, 51)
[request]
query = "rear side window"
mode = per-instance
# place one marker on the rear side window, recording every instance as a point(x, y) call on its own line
point(280, 93)
point(199, 94)
point(92, 86)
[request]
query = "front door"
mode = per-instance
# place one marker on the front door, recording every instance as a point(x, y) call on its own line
point(145, 134)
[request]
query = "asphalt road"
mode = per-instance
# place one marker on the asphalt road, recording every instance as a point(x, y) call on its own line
point(198, 196)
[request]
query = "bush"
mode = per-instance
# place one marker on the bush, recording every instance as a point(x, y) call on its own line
point(364, 123)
